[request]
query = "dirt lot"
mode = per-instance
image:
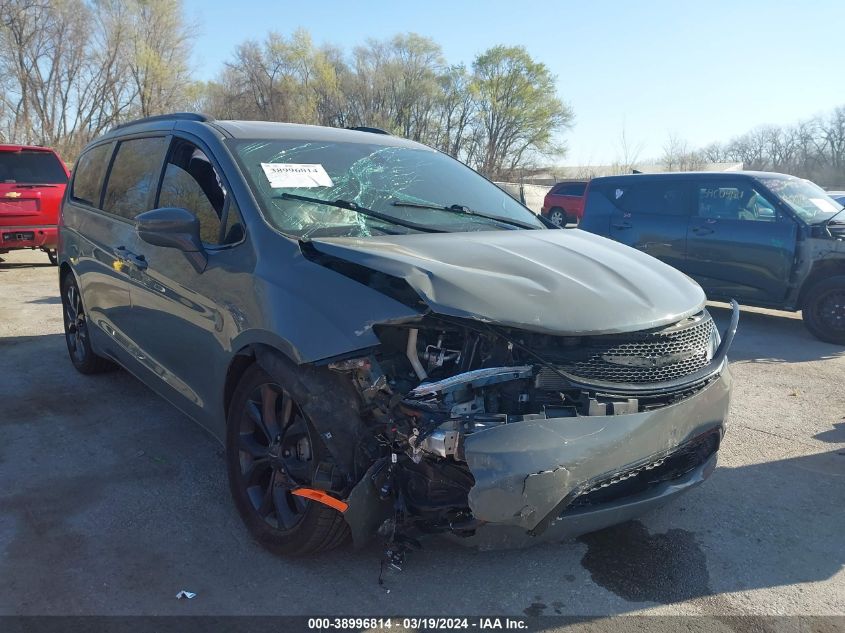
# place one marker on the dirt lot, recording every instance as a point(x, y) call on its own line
point(112, 501)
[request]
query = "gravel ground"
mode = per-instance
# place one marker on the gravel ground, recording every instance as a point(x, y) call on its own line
point(112, 501)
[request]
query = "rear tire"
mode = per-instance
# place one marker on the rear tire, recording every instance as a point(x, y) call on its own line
point(53, 255)
point(77, 335)
point(824, 310)
point(558, 217)
point(270, 439)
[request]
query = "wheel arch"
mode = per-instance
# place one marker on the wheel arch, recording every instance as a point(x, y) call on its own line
point(821, 270)
point(247, 355)
point(64, 271)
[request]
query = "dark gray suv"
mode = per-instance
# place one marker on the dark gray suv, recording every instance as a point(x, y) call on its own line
point(384, 339)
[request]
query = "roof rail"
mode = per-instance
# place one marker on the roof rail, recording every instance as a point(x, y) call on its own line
point(178, 116)
point(373, 130)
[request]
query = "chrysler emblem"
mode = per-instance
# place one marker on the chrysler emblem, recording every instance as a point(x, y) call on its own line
point(13, 194)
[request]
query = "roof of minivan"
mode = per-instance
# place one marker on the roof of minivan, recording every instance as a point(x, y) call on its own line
point(258, 130)
point(299, 132)
point(696, 174)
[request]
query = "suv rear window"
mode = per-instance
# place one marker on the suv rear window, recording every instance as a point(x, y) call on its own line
point(31, 167)
point(88, 175)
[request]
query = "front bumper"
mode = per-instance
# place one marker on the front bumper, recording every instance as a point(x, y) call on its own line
point(17, 237)
point(583, 521)
point(527, 474)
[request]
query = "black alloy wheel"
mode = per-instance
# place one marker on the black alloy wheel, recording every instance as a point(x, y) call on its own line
point(77, 334)
point(271, 450)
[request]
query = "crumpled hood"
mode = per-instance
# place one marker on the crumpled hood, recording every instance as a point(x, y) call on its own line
point(553, 281)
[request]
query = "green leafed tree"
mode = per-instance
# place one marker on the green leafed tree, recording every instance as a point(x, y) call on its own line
point(519, 111)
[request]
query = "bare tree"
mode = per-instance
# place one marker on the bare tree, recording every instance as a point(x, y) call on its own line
point(677, 155)
point(66, 71)
point(61, 72)
point(629, 154)
point(159, 45)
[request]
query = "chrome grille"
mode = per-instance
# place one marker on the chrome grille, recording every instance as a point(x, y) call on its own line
point(643, 357)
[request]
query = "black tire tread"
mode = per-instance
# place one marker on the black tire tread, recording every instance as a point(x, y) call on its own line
point(813, 293)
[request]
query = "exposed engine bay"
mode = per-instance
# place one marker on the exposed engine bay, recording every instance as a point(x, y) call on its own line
point(438, 381)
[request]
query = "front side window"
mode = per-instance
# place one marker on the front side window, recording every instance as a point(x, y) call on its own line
point(809, 201)
point(396, 182)
point(89, 173)
point(133, 176)
point(734, 201)
point(191, 182)
point(31, 167)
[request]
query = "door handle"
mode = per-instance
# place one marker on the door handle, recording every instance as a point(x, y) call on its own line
point(622, 226)
point(131, 259)
point(701, 230)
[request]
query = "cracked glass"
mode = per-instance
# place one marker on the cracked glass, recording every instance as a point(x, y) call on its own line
point(375, 177)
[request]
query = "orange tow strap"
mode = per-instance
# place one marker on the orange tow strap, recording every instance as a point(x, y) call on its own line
point(321, 497)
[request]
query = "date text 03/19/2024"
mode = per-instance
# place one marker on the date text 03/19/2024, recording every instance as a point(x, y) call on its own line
point(478, 623)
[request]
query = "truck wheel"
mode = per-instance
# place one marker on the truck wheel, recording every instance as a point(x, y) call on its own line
point(272, 448)
point(53, 255)
point(83, 357)
point(824, 310)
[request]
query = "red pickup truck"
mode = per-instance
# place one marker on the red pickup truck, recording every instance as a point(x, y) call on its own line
point(32, 184)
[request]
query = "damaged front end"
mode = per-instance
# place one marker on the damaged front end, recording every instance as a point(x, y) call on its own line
point(501, 436)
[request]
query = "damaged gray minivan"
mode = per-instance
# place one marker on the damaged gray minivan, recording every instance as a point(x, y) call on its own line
point(384, 340)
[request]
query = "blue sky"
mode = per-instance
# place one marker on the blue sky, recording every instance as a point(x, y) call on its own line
point(702, 71)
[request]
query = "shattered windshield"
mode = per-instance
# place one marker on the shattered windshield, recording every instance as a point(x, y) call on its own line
point(376, 177)
point(810, 202)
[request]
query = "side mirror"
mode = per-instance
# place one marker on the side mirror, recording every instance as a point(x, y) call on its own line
point(172, 227)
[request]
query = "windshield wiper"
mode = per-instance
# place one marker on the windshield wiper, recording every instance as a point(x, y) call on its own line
point(832, 219)
point(461, 210)
point(352, 206)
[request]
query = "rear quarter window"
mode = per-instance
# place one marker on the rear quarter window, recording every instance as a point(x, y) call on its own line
point(570, 189)
point(88, 174)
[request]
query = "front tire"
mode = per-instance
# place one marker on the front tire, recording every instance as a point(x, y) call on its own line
point(824, 310)
point(53, 256)
point(272, 448)
point(77, 335)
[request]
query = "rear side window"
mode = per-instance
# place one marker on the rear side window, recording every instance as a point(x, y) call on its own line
point(31, 168)
point(134, 176)
point(571, 189)
point(654, 198)
point(89, 173)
